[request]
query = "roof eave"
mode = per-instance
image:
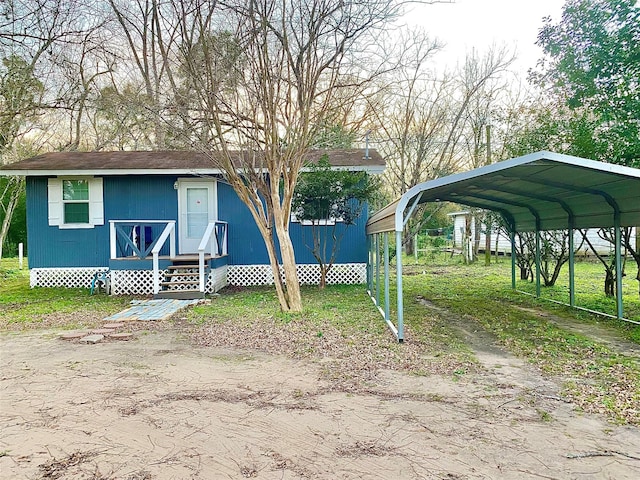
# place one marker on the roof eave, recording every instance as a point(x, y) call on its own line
point(372, 169)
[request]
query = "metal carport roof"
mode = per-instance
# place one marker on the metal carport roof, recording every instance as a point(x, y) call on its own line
point(539, 191)
point(546, 186)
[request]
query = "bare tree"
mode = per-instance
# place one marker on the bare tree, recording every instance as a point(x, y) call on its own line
point(412, 117)
point(476, 74)
point(425, 120)
point(152, 31)
point(264, 77)
point(554, 254)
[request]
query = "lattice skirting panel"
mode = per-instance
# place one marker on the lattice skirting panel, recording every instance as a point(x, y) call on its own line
point(309, 274)
point(63, 277)
point(132, 282)
point(140, 282)
point(123, 282)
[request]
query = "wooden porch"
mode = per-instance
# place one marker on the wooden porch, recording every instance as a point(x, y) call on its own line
point(151, 245)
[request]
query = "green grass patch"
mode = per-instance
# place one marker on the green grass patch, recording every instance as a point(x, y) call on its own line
point(22, 306)
point(343, 307)
point(601, 379)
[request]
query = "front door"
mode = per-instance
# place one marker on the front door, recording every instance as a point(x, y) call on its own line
point(196, 208)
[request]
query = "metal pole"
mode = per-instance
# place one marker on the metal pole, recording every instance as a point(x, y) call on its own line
point(616, 221)
point(399, 285)
point(386, 276)
point(377, 269)
point(512, 237)
point(572, 270)
point(537, 258)
point(369, 264)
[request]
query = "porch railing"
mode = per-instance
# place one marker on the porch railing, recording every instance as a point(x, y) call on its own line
point(216, 237)
point(170, 233)
point(136, 238)
point(140, 238)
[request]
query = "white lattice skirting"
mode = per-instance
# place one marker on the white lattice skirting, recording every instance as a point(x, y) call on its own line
point(123, 282)
point(63, 277)
point(309, 274)
point(140, 282)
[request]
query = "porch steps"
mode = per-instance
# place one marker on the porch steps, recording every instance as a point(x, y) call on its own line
point(182, 280)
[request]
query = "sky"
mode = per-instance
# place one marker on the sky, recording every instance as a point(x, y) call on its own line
point(465, 24)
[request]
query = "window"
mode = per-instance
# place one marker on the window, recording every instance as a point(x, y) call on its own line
point(318, 222)
point(75, 202)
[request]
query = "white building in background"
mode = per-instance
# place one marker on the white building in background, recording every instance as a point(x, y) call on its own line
point(504, 244)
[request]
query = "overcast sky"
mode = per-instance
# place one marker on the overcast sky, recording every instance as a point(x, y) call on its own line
point(479, 23)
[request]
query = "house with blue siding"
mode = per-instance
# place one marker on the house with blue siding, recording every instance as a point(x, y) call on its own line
point(163, 223)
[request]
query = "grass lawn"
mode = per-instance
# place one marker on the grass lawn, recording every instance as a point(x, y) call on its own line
point(601, 379)
point(22, 307)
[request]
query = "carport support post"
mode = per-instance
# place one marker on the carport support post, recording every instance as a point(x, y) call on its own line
point(512, 237)
point(616, 221)
point(377, 270)
point(369, 265)
point(399, 284)
point(537, 258)
point(386, 276)
point(572, 270)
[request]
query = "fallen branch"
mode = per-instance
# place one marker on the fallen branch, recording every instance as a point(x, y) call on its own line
point(604, 453)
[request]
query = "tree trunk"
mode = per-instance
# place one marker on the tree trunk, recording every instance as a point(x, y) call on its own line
point(323, 277)
point(609, 283)
point(466, 239)
point(408, 242)
point(476, 237)
point(293, 295)
point(275, 268)
point(8, 211)
point(487, 242)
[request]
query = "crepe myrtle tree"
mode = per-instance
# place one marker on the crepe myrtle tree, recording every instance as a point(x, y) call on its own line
point(327, 202)
point(263, 78)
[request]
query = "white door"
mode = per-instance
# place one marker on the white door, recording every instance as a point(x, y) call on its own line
point(196, 208)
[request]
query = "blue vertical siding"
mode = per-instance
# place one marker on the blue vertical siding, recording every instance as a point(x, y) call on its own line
point(246, 246)
point(125, 197)
point(54, 247)
point(150, 197)
point(154, 198)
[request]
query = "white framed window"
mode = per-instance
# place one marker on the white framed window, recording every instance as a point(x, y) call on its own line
point(75, 202)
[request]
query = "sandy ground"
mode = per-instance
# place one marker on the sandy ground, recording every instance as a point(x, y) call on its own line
point(158, 408)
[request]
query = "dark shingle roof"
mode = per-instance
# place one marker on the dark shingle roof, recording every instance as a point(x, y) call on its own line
point(182, 161)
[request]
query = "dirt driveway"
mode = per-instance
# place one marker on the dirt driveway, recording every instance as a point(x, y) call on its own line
point(157, 407)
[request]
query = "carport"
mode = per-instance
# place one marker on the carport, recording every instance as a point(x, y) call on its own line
point(533, 193)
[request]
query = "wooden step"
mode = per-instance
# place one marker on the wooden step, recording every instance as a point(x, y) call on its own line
point(181, 282)
point(190, 257)
point(180, 294)
point(182, 274)
point(185, 267)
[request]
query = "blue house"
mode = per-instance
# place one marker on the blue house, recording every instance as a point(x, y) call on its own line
point(162, 222)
